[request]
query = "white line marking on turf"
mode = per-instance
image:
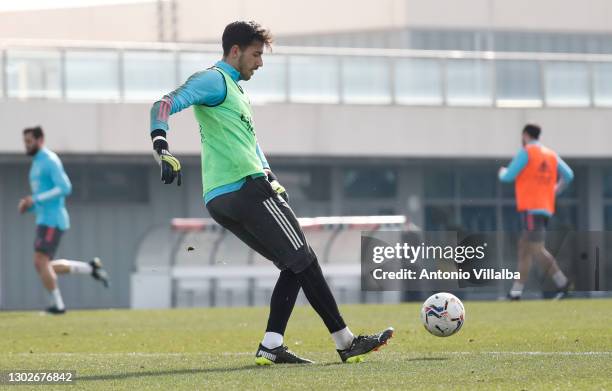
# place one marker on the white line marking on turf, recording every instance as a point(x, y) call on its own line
point(139, 354)
point(175, 354)
point(549, 353)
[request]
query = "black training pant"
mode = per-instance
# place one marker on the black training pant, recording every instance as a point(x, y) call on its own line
point(266, 223)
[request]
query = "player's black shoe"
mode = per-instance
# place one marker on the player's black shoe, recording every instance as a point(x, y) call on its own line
point(364, 344)
point(53, 310)
point(562, 293)
point(98, 272)
point(279, 355)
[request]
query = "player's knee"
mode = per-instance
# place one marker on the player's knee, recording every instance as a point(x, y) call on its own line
point(305, 258)
point(40, 261)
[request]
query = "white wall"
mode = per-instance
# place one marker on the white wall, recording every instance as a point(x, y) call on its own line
point(320, 130)
point(558, 15)
point(203, 20)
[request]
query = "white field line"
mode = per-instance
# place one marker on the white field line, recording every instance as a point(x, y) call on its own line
point(229, 354)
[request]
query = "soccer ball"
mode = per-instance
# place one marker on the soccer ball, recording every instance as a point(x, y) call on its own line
point(443, 314)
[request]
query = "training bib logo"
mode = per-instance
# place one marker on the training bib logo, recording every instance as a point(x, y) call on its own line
point(248, 122)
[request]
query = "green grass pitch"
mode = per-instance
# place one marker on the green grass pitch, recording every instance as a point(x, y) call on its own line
point(532, 345)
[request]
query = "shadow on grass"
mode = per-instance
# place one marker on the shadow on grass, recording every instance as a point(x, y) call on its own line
point(187, 371)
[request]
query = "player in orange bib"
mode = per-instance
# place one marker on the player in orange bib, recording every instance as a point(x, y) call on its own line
point(539, 175)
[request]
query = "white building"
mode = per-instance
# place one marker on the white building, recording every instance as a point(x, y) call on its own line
point(385, 125)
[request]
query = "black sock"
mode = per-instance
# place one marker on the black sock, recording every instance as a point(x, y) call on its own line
point(282, 302)
point(320, 296)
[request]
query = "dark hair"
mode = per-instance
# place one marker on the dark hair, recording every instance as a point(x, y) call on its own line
point(533, 131)
point(243, 34)
point(35, 131)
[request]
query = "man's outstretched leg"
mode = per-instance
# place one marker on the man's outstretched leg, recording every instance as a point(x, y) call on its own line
point(265, 222)
point(350, 348)
point(93, 268)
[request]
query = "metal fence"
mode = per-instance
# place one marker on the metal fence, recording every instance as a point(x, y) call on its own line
point(137, 72)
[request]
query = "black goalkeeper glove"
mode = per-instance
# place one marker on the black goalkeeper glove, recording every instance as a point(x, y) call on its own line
point(169, 165)
point(277, 187)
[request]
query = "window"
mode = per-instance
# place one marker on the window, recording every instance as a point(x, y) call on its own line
point(602, 84)
point(418, 81)
point(148, 75)
point(92, 75)
point(314, 79)
point(608, 217)
point(370, 182)
point(365, 80)
point(478, 218)
point(607, 193)
point(269, 82)
point(518, 83)
point(511, 219)
point(439, 183)
point(469, 82)
point(440, 218)
point(306, 184)
point(471, 198)
point(478, 183)
point(190, 63)
point(33, 74)
point(109, 183)
point(607, 183)
point(565, 218)
point(567, 84)
point(461, 197)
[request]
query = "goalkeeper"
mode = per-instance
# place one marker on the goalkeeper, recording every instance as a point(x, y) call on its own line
point(243, 195)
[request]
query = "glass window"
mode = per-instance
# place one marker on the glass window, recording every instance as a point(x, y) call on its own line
point(602, 80)
point(571, 191)
point(92, 75)
point(608, 218)
point(418, 81)
point(311, 184)
point(366, 80)
point(190, 63)
point(439, 183)
point(511, 219)
point(148, 75)
point(440, 218)
point(313, 79)
point(567, 84)
point(565, 218)
point(518, 83)
point(507, 190)
point(607, 183)
point(106, 183)
point(370, 182)
point(2, 80)
point(33, 74)
point(269, 82)
point(477, 183)
point(478, 218)
point(468, 82)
